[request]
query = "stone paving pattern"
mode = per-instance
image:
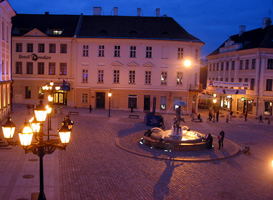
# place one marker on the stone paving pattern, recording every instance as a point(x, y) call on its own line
point(94, 167)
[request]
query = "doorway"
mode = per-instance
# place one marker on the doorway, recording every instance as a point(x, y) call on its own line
point(100, 100)
point(147, 102)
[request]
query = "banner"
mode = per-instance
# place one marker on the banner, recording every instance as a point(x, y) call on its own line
point(228, 84)
point(229, 91)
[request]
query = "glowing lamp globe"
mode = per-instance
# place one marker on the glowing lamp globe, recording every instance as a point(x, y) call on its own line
point(8, 129)
point(187, 63)
point(49, 109)
point(40, 112)
point(64, 133)
point(35, 125)
point(25, 135)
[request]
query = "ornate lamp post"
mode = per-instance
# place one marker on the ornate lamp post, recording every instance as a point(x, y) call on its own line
point(109, 95)
point(39, 146)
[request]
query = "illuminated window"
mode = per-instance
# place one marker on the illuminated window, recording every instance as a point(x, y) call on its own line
point(57, 32)
point(27, 92)
point(163, 78)
point(41, 92)
point(85, 75)
point(51, 68)
point(100, 76)
point(63, 68)
point(179, 78)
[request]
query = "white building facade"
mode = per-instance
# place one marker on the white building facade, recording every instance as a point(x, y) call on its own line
point(121, 55)
point(245, 57)
point(6, 13)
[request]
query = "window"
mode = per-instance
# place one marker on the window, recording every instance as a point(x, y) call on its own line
point(196, 54)
point(85, 49)
point(100, 76)
point(29, 67)
point(3, 31)
point(240, 79)
point(29, 47)
point(246, 80)
point(116, 76)
point(252, 84)
point(210, 67)
point(227, 66)
point(18, 68)
point(132, 77)
point(101, 50)
point(132, 51)
point(253, 66)
point(19, 47)
point(85, 75)
point(241, 64)
point(232, 79)
point(213, 67)
point(41, 67)
point(269, 84)
point(51, 68)
point(117, 51)
point(179, 78)
point(270, 64)
point(163, 78)
point(148, 75)
point(221, 79)
point(233, 65)
point(63, 68)
point(132, 101)
point(247, 64)
point(163, 100)
point(63, 48)
point(52, 48)
point(222, 66)
point(217, 66)
point(148, 52)
point(41, 92)
point(84, 98)
point(41, 48)
point(180, 53)
point(226, 79)
point(27, 92)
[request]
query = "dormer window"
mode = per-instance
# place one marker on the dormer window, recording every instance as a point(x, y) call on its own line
point(57, 32)
point(229, 43)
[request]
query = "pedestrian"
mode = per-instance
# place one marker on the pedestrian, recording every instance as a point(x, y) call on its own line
point(245, 116)
point(261, 118)
point(90, 108)
point(217, 115)
point(220, 140)
point(227, 118)
point(223, 136)
point(209, 141)
point(210, 115)
point(132, 107)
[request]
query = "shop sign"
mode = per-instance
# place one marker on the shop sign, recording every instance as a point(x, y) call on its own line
point(34, 57)
point(228, 84)
point(229, 91)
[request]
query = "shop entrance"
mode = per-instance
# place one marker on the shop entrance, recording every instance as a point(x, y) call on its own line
point(147, 102)
point(100, 100)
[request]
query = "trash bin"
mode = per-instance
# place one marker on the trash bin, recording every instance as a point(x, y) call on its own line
point(153, 119)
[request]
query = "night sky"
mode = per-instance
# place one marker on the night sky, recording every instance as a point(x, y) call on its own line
point(212, 21)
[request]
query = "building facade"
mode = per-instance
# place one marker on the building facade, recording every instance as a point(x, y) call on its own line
point(244, 58)
point(134, 58)
point(6, 13)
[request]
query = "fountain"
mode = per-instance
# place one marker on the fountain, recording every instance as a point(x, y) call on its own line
point(178, 138)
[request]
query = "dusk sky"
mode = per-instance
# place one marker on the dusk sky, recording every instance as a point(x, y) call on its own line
point(212, 21)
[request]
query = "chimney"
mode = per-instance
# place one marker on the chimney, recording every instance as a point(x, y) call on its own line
point(242, 29)
point(157, 11)
point(138, 12)
point(266, 22)
point(96, 10)
point(115, 11)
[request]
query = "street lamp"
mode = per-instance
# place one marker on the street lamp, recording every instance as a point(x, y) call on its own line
point(109, 95)
point(38, 146)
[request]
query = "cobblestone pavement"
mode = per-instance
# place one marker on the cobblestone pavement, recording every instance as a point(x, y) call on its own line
point(94, 167)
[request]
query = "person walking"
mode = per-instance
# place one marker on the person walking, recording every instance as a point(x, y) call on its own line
point(90, 108)
point(222, 133)
point(217, 115)
point(209, 141)
point(220, 140)
point(261, 119)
